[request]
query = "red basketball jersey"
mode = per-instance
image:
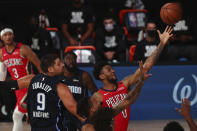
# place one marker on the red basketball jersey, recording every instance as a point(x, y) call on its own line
point(113, 98)
point(17, 67)
point(15, 63)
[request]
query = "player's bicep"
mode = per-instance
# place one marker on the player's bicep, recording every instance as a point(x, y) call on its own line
point(97, 100)
point(89, 83)
point(27, 52)
point(131, 80)
point(67, 99)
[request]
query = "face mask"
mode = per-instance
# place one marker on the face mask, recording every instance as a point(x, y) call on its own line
point(109, 27)
point(152, 33)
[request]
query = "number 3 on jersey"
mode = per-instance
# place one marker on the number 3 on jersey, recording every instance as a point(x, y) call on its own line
point(41, 101)
point(15, 72)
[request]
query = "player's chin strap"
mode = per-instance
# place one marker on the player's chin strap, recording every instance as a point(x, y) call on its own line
point(10, 84)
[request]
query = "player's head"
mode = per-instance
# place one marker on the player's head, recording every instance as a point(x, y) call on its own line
point(173, 126)
point(7, 36)
point(108, 22)
point(104, 72)
point(84, 106)
point(52, 64)
point(103, 119)
point(70, 61)
point(151, 28)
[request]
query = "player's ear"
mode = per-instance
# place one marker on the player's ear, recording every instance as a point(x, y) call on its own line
point(102, 76)
point(50, 69)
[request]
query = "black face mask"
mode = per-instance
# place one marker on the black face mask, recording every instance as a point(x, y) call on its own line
point(152, 33)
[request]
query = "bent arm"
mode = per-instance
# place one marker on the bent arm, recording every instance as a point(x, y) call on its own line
point(151, 60)
point(130, 99)
point(27, 52)
point(17, 84)
point(65, 31)
point(89, 83)
point(133, 94)
point(88, 33)
point(185, 112)
point(67, 98)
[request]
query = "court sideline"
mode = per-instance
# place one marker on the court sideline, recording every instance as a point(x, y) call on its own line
point(153, 125)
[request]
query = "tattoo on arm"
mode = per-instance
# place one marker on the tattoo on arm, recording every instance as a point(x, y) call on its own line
point(153, 57)
point(130, 99)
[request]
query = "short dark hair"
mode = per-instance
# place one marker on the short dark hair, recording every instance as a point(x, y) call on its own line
point(70, 53)
point(97, 69)
point(102, 119)
point(47, 61)
point(108, 15)
point(83, 107)
point(173, 126)
point(150, 21)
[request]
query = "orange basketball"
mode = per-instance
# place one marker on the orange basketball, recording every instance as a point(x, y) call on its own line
point(171, 13)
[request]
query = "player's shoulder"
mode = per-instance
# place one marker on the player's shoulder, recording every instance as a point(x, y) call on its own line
point(22, 46)
point(97, 96)
point(85, 74)
point(87, 127)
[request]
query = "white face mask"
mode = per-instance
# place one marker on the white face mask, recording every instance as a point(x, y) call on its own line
point(109, 27)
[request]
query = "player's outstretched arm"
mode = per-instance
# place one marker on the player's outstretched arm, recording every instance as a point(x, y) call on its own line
point(27, 52)
point(133, 94)
point(151, 60)
point(87, 127)
point(185, 112)
point(89, 83)
point(67, 98)
point(17, 84)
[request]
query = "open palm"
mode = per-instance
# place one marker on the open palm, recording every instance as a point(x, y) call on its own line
point(164, 37)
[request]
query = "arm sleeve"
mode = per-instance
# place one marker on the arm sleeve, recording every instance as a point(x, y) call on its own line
point(3, 71)
point(11, 84)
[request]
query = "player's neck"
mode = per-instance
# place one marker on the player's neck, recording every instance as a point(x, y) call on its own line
point(109, 86)
point(68, 73)
point(10, 47)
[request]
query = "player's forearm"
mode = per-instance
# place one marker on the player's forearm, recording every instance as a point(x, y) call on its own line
point(151, 60)
point(133, 94)
point(191, 123)
point(11, 84)
point(130, 99)
point(65, 32)
point(88, 33)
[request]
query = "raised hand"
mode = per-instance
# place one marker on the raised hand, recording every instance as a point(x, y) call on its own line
point(185, 108)
point(164, 37)
point(143, 75)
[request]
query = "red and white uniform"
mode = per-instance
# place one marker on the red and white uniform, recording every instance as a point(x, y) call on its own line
point(113, 98)
point(17, 67)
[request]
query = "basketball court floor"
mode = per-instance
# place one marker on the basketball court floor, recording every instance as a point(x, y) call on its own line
point(154, 125)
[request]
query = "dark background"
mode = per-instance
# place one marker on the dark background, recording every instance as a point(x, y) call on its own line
point(17, 12)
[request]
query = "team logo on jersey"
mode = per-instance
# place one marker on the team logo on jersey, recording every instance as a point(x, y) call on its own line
point(121, 88)
point(43, 78)
point(75, 80)
point(15, 53)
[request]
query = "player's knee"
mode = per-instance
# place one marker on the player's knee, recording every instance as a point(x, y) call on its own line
point(17, 116)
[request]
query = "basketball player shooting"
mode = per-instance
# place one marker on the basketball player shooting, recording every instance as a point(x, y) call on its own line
point(114, 92)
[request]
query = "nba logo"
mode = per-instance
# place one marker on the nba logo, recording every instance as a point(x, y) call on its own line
point(132, 20)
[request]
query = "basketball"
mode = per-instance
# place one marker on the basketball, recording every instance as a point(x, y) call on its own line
point(171, 13)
